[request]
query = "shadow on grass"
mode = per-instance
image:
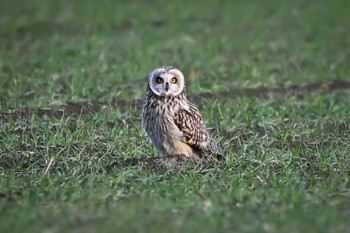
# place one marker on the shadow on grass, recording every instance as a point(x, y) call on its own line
point(110, 162)
point(177, 162)
point(74, 109)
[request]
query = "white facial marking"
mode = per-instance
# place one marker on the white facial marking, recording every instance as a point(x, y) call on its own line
point(168, 82)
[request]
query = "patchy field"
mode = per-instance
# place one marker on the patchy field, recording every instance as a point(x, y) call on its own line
point(271, 80)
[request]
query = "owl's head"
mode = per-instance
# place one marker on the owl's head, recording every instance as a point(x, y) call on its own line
point(166, 81)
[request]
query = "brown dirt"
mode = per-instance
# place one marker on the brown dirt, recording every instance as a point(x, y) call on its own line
point(74, 109)
point(69, 109)
point(267, 92)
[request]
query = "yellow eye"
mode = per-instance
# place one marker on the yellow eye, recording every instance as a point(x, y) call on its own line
point(160, 80)
point(173, 80)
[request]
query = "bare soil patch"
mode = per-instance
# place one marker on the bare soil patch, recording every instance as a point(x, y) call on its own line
point(74, 109)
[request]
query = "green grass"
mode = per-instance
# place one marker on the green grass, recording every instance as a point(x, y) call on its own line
point(288, 155)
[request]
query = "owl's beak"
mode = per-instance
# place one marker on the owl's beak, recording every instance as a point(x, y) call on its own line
point(167, 86)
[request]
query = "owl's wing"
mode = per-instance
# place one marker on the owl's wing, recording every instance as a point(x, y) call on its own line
point(190, 123)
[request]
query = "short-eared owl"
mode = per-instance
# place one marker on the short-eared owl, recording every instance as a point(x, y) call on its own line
point(174, 124)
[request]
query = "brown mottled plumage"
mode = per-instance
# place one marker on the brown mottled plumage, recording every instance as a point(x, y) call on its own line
point(173, 124)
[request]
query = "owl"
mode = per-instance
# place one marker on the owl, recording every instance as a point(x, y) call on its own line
point(174, 124)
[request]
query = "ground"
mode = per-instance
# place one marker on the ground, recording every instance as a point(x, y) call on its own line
point(271, 80)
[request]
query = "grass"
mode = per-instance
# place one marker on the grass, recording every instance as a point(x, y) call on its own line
point(73, 157)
